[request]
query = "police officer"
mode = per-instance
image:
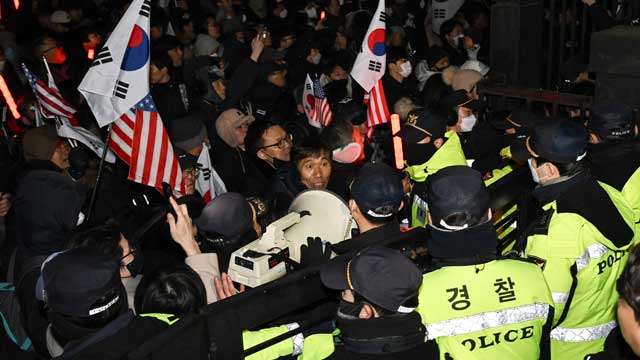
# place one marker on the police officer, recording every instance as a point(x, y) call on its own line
point(376, 315)
point(473, 303)
point(581, 240)
point(428, 147)
point(376, 198)
point(614, 151)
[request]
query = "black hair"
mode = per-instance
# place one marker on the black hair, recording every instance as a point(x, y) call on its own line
point(39, 43)
point(384, 220)
point(463, 218)
point(161, 60)
point(567, 169)
point(105, 238)
point(434, 90)
point(412, 302)
point(203, 26)
point(310, 147)
point(253, 141)
point(628, 284)
point(165, 44)
point(338, 134)
point(176, 290)
point(447, 27)
point(87, 32)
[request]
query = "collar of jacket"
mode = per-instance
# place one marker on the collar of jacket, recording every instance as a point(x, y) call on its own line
point(448, 155)
point(290, 177)
point(42, 165)
point(387, 334)
point(549, 193)
point(474, 245)
point(368, 238)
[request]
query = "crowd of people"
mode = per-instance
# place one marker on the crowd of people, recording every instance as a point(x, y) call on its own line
point(96, 277)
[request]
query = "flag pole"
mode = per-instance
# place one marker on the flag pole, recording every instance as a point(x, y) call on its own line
point(96, 186)
point(4, 129)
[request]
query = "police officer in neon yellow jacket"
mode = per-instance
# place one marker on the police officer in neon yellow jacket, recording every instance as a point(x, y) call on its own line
point(475, 304)
point(581, 240)
point(427, 148)
point(376, 316)
point(614, 150)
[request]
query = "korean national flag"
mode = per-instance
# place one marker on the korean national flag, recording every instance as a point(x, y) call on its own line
point(119, 76)
point(371, 62)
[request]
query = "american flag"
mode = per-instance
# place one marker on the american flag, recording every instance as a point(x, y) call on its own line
point(377, 110)
point(316, 104)
point(139, 139)
point(50, 102)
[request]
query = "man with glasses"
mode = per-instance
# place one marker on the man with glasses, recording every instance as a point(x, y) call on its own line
point(270, 146)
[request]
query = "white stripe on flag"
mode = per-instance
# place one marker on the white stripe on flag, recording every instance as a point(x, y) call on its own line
point(157, 148)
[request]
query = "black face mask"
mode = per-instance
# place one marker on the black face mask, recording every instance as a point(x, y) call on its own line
point(135, 267)
point(349, 311)
point(277, 163)
point(418, 154)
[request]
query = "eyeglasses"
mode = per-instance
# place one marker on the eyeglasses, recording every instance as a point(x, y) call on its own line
point(51, 48)
point(281, 143)
point(192, 172)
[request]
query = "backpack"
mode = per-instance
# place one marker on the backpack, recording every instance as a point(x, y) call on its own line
point(10, 311)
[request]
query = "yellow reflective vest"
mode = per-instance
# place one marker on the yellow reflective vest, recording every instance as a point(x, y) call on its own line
point(501, 309)
point(449, 154)
point(581, 267)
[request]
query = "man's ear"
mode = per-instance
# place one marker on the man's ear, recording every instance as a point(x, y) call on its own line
point(438, 143)
point(261, 155)
point(367, 312)
point(353, 207)
point(548, 171)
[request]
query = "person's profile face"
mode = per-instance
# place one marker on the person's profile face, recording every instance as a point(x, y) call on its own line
point(315, 172)
point(241, 132)
point(53, 52)
point(176, 55)
point(442, 63)
point(338, 73)
point(629, 326)
point(278, 78)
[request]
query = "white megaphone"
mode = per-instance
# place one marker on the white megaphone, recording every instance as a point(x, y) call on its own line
point(313, 213)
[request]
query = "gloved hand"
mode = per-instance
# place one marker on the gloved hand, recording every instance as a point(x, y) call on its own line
point(78, 161)
point(315, 252)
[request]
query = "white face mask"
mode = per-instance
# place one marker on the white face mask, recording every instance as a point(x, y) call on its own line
point(457, 39)
point(534, 172)
point(316, 59)
point(405, 69)
point(311, 13)
point(467, 123)
point(283, 14)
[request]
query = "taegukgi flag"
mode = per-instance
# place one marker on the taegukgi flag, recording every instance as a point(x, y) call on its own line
point(371, 62)
point(119, 75)
point(209, 184)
